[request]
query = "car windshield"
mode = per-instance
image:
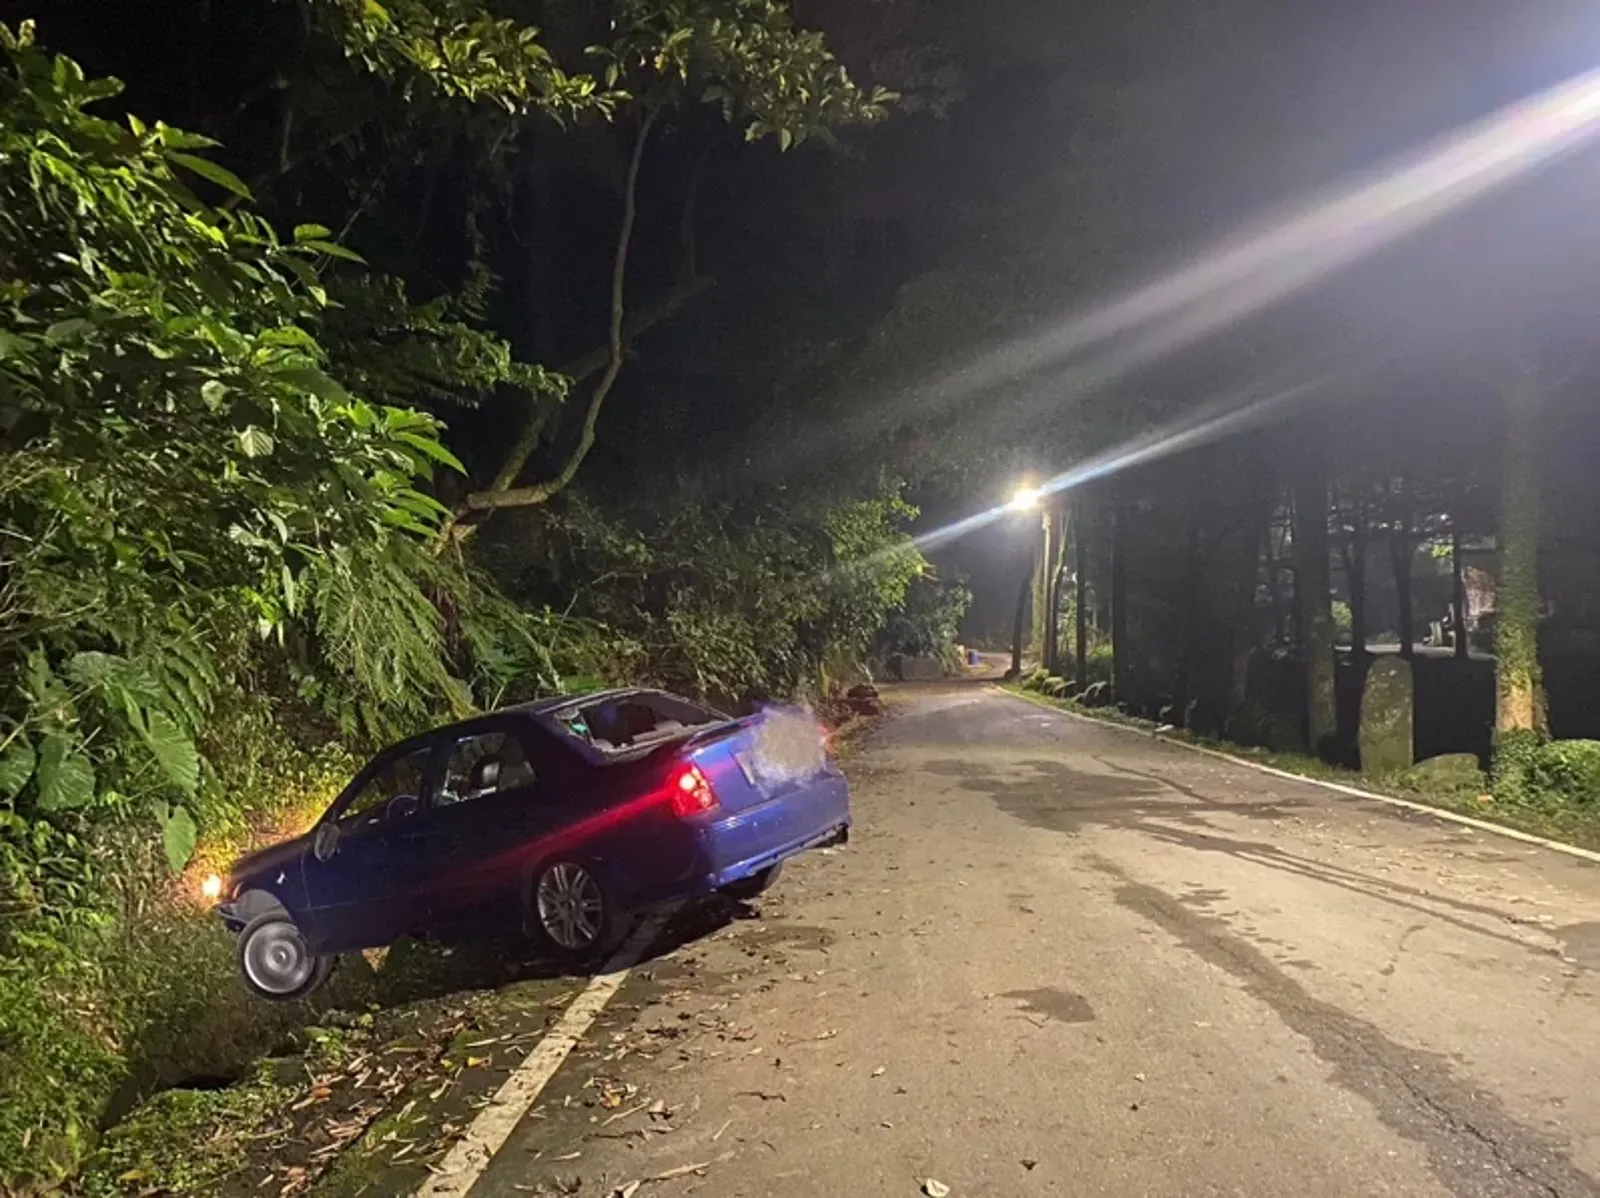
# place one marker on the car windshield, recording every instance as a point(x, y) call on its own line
point(622, 723)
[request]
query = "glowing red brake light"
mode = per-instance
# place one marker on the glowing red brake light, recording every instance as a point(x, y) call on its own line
point(690, 792)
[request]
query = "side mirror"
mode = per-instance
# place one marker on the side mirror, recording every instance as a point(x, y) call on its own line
point(326, 841)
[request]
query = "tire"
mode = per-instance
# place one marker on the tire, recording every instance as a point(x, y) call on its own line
point(275, 962)
point(755, 885)
point(571, 912)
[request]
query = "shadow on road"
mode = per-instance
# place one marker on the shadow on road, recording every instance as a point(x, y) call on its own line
point(416, 970)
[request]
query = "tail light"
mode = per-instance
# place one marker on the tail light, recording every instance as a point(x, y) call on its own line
point(690, 792)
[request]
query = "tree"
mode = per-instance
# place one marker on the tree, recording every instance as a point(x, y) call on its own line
point(1314, 596)
point(1519, 703)
point(748, 59)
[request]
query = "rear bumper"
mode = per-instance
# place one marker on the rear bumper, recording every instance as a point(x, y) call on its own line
point(728, 874)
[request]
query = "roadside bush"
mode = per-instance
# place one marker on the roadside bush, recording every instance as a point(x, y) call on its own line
point(1555, 774)
point(1035, 679)
point(728, 602)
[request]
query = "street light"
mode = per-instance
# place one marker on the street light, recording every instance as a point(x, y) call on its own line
point(1025, 500)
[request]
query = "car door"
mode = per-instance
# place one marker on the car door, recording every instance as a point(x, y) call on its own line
point(491, 806)
point(363, 874)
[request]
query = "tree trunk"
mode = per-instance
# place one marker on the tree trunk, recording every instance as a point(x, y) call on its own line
point(1038, 640)
point(1058, 569)
point(1402, 546)
point(1019, 625)
point(1458, 596)
point(1080, 598)
point(1355, 581)
point(1313, 593)
point(1188, 647)
point(1256, 520)
point(1245, 621)
point(1119, 602)
point(1519, 705)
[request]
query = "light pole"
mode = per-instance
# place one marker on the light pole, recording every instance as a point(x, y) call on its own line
point(1025, 500)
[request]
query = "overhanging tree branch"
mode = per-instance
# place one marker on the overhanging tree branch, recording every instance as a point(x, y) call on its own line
point(502, 494)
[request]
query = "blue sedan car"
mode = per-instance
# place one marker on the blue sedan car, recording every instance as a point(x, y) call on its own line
point(572, 813)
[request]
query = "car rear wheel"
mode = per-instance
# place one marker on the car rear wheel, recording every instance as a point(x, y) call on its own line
point(275, 962)
point(755, 885)
point(571, 911)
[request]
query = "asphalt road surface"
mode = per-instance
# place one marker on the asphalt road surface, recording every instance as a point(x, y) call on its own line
point(1059, 958)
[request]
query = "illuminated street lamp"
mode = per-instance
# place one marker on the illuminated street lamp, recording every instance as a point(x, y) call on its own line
point(1025, 500)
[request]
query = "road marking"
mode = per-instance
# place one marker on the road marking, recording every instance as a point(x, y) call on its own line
point(471, 1155)
point(1354, 792)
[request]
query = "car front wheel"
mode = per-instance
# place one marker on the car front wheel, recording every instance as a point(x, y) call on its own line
point(571, 911)
point(275, 962)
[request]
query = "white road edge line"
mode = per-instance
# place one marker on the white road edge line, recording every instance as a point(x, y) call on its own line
point(470, 1156)
point(1353, 792)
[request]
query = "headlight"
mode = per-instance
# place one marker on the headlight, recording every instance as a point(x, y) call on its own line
point(211, 888)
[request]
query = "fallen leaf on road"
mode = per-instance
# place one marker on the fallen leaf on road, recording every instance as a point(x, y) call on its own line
point(685, 1170)
point(934, 1188)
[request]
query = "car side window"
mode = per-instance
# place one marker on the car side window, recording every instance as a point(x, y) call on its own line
point(401, 777)
point(484, 764)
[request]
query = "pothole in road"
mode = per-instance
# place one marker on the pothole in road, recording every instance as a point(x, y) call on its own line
point(1060, 1005)
point(1581, 942)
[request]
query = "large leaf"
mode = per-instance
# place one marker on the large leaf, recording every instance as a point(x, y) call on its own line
point(255, 441)
point(66, 779)
point(178, 834)
point(16, 767)
point(431, 447)
point(334, 250)
point(206, 169)
point(173, 751)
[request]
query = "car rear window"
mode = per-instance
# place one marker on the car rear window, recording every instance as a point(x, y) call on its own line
point(627, 722)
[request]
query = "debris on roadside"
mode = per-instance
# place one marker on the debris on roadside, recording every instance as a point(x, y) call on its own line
point(934, 1188)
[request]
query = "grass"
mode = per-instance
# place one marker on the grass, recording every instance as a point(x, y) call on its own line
point(1567, 825)
point(282, 1128)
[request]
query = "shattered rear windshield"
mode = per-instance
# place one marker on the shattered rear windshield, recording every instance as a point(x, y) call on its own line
point(629, 721)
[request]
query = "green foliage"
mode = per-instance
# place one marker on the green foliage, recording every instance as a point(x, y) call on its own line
point(928, 621)
point(186, 493)
point(460, 50)
point(745, 56)
point(422, 355)
point(732, 603)
point(1343, 618)
point(1550, 775)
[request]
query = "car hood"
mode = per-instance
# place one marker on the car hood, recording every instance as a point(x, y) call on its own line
point(273, 857)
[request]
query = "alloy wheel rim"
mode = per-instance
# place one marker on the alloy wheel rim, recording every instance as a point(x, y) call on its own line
point(570, 906)
point(277, 959)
